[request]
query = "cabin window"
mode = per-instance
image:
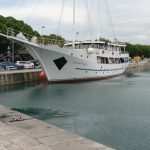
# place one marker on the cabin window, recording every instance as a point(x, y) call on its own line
point(126, 59)
point(102, 60)
point(95, 46)
point(117, 60)
point(101, 46)
point(122, 60)
point(106, 59)
point(117, 48)
point(114, 60)
point(98, 59)
point(110, 60)
point(90, 45)
point(86, 46)
point(109, 47)
point(77, 46)
point(82, 46)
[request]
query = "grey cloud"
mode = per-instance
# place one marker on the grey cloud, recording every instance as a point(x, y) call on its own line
point(130, 18)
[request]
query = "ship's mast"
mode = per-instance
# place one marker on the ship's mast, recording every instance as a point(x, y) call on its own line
point(98, 24)
point(74, 13)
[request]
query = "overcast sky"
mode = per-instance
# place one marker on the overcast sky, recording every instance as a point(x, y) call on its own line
point(128, 19)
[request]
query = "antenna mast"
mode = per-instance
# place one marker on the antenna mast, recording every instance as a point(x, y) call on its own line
point(98, 26)
point(74, 12)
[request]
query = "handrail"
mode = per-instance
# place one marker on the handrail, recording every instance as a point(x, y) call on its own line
point(37, 40)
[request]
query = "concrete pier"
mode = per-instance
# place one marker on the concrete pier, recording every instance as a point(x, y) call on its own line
point(21, 132)
point(18, 76)
point(139, 64)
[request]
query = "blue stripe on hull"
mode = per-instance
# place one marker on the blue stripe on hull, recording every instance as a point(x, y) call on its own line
point(100, 69)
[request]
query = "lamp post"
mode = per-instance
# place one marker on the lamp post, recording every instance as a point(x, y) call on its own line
point(43, 27)
point(13, 51)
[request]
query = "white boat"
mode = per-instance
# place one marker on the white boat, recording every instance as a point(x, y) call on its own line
point(86, 60)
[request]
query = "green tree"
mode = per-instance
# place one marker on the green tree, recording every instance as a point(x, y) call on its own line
point(138, 50)
point(52, 39)
point(19, 25)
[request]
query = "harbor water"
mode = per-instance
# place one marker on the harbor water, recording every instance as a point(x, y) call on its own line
point(114, 112)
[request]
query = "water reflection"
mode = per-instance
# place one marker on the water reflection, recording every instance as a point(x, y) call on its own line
point(114, 112)
point(45, 113)
point(139, 69)
point(11, 87)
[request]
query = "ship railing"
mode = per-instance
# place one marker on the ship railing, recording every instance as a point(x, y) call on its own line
point(124, 52)
point(40, 40)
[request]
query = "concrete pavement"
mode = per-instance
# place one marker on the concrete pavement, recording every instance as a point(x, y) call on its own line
point(22, 132)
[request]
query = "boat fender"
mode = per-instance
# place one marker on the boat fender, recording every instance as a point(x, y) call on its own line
point(43, 74)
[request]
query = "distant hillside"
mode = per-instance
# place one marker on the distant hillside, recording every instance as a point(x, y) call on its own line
point(10, 22)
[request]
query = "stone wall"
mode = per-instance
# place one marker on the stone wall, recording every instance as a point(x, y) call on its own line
point(15, 76)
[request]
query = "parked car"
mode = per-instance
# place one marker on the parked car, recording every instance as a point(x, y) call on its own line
point(25, 64)
point(36, 63)
point(8, 66)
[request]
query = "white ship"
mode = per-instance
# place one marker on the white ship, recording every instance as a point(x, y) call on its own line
point(86, 60)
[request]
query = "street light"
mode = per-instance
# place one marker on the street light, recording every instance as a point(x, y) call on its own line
point(43, 27)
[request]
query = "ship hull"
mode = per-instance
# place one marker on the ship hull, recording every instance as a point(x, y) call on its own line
point(63, 67)
point(68, 65)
